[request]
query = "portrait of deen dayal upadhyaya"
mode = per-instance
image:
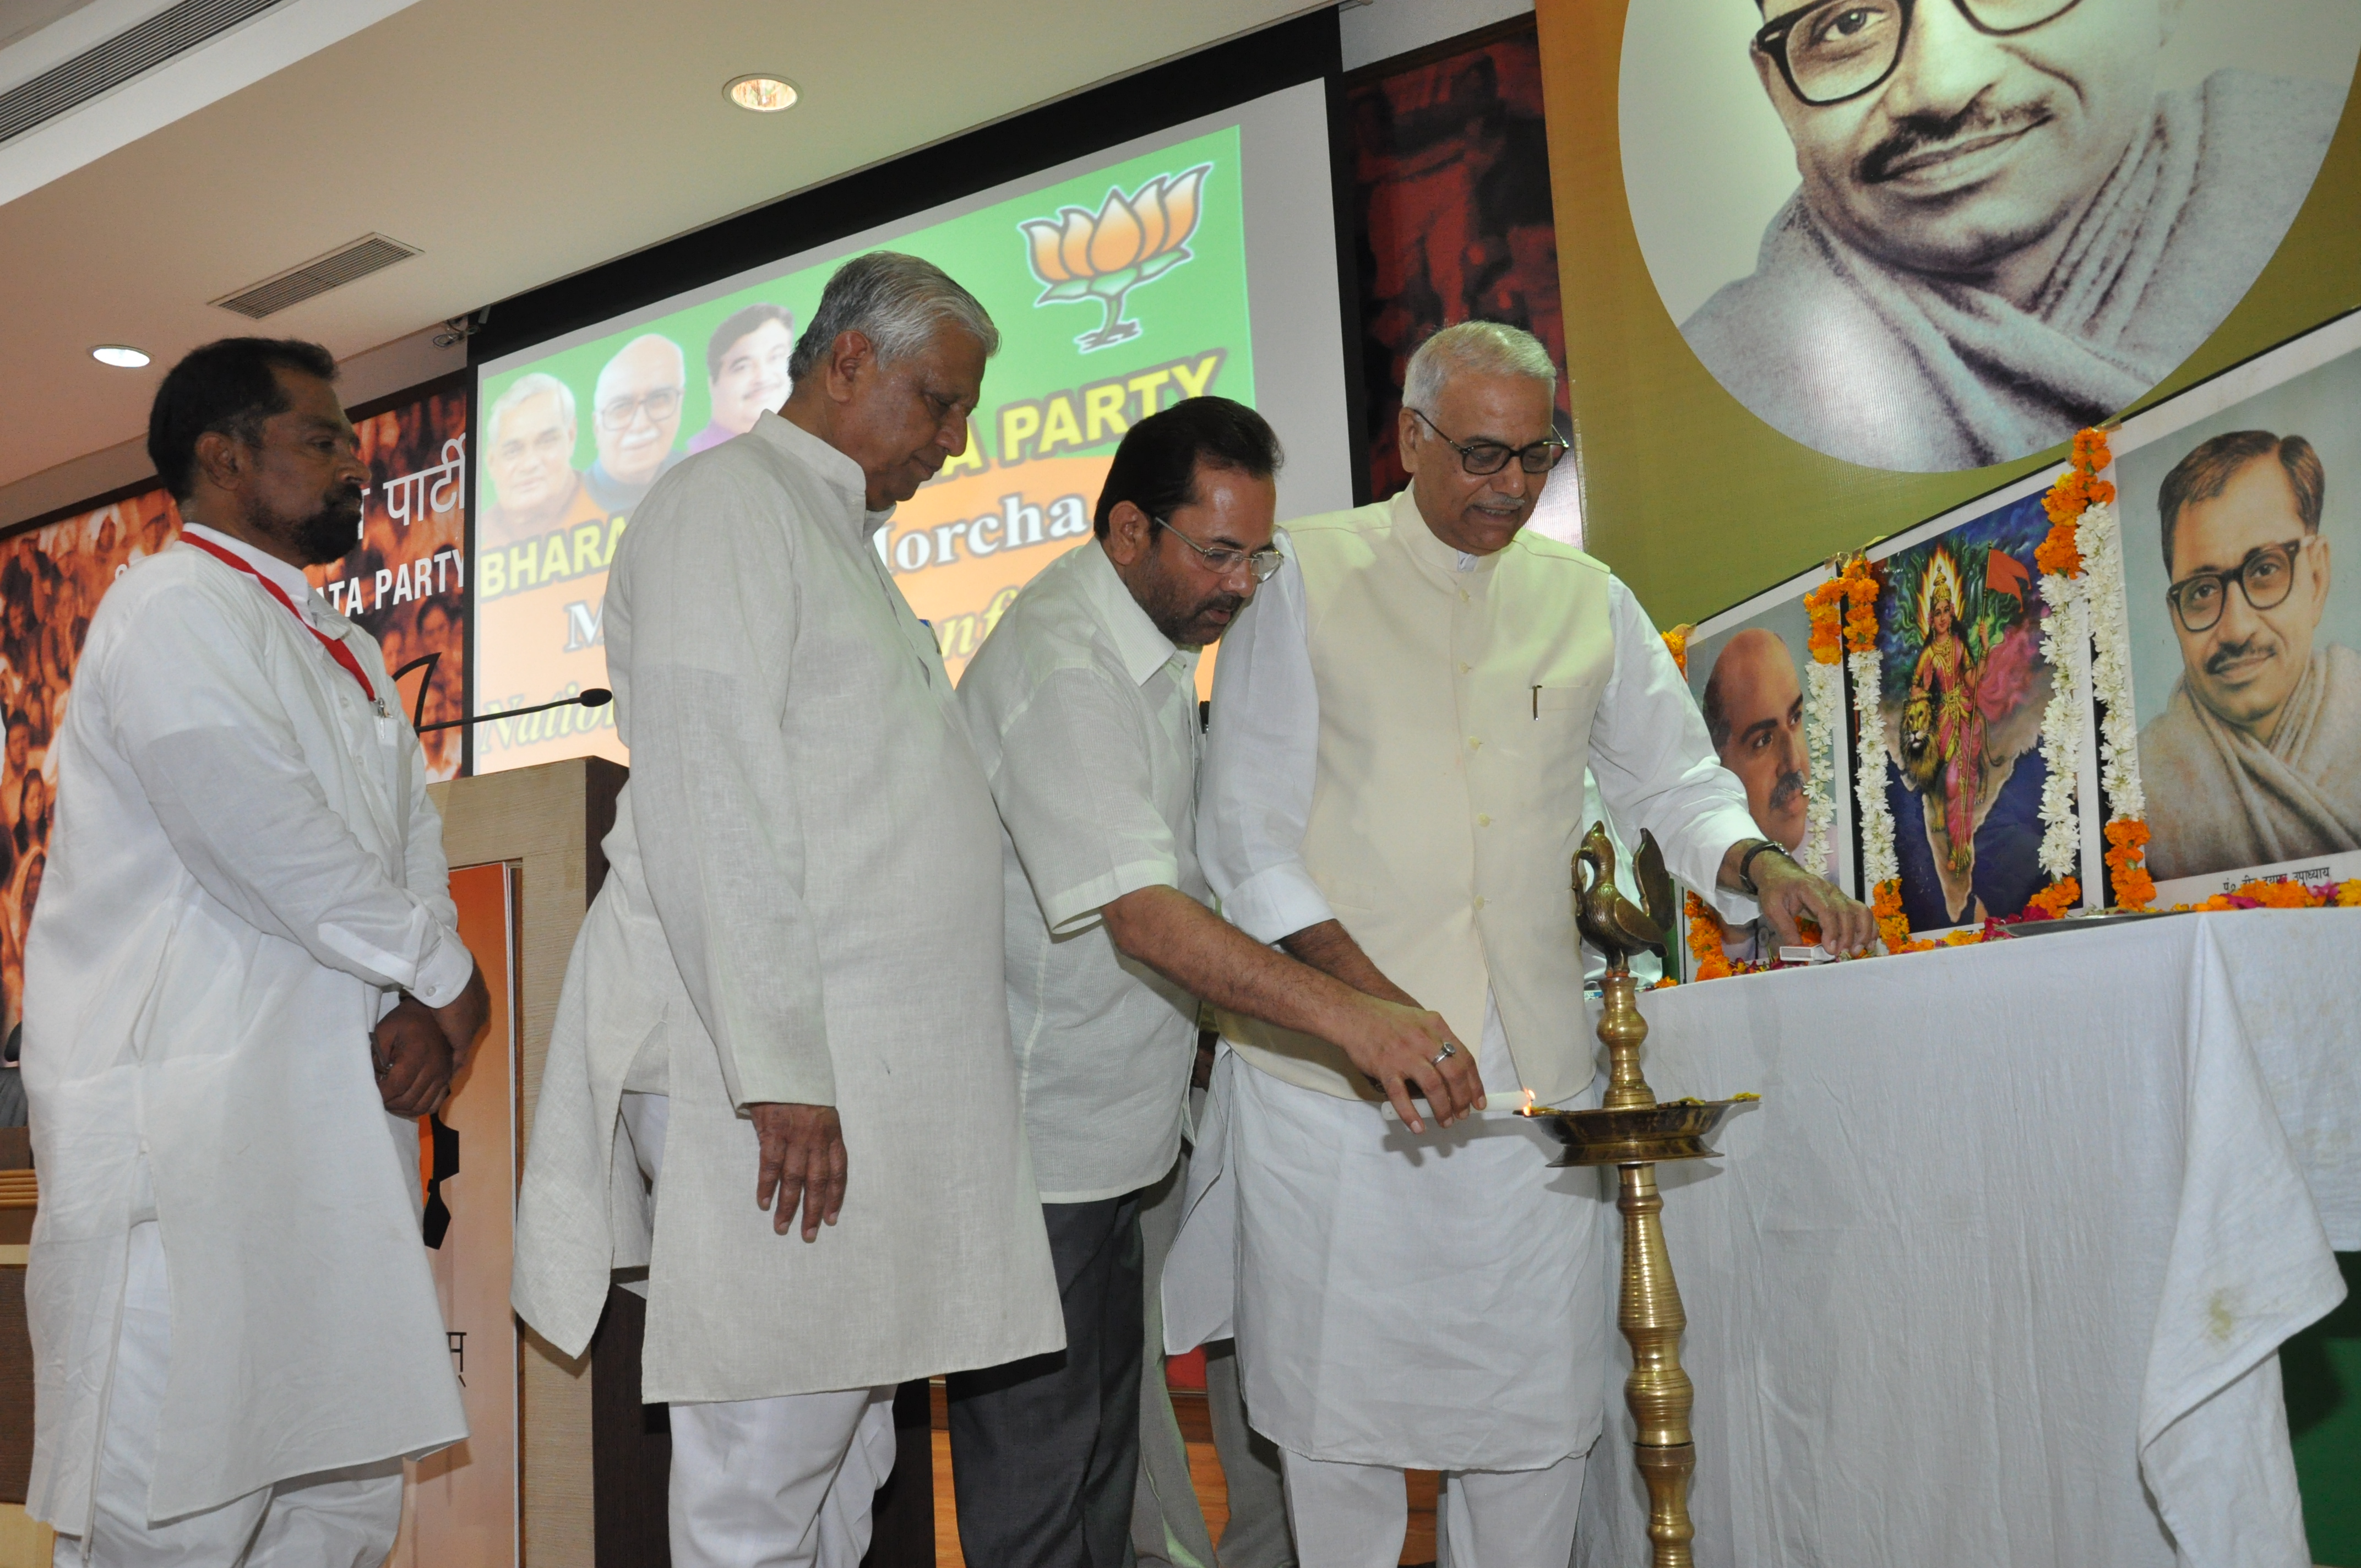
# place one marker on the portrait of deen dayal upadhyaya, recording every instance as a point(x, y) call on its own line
point(1930, 235)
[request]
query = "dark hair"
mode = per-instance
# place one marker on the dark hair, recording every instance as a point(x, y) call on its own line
point(231, 387)
point(1154, 468)
point(741, 323)
point(2206, 471)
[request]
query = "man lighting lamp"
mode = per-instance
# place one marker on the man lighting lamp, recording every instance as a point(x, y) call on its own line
point(235, 1335)
point(790, 988)
point(1084, 707)
point(1393, 792)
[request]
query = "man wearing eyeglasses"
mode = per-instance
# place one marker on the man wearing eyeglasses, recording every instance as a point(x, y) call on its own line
point(2004, 231)
point(2256, 759)
point(1393, 791)
point(1082, 707)
point(635, 417)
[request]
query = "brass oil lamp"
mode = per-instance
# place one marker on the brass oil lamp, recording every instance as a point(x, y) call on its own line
point(1632, 1133)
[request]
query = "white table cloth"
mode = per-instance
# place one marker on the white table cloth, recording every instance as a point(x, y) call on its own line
point(1998, 1270)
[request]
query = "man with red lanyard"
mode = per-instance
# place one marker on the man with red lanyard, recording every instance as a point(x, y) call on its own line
point(244, 982)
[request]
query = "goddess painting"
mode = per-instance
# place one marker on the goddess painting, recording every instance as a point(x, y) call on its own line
point(1964, 687)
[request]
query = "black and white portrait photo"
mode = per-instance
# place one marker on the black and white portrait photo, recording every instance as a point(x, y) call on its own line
point(1933, 235)
point(2246, 638)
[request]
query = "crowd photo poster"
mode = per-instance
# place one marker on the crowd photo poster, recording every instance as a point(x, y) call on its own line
point(1117, 293)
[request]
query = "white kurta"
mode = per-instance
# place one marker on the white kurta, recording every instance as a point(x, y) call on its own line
point(802, 904)
point(1433, 1301)
point(244, 869)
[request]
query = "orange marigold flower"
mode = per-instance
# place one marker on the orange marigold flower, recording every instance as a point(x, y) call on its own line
point(2057, 898)
point(2275, 895)
point(2101, 493)
point(1677, 643)
point(2059, 555)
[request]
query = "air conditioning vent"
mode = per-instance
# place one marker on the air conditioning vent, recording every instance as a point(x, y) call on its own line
point(101, 68)
point(370, 253)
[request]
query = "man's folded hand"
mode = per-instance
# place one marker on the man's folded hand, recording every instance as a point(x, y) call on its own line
point(414, 1060)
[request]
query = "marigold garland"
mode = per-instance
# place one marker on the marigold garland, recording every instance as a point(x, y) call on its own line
point(2283, 895)
point(1704, 941)
point(1825, 605)
point(2127, 851)
point(2055, 899)
point(1676, 643)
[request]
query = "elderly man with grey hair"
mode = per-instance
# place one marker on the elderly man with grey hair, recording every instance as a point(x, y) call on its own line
point(1393, 790)
point(789, 989)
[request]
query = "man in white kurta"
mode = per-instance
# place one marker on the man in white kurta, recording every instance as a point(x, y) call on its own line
point(235, 1335)
point(789, 991)
point(1394, 790)
point(1084, 706)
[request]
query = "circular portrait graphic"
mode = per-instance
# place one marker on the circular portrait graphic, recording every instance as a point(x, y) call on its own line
point(1930, 235)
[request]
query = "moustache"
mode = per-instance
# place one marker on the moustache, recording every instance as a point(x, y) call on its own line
point(1915, 134)
point(1788, 790)
point(2222, 658)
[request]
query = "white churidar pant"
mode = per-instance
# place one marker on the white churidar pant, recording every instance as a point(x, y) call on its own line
point(1354, 1516)
point(784, 1483)
point(344, 1519)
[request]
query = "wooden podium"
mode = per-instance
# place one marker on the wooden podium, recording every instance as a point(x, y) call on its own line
point(546, 823)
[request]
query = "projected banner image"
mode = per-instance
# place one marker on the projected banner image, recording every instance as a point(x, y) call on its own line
point(1117, 291)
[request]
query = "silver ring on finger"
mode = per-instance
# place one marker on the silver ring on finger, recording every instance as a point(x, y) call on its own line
point(1449, 1050)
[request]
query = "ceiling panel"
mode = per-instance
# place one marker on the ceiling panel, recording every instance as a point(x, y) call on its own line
point(513, 143)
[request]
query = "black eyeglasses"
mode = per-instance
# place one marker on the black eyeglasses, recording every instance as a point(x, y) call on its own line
point(1482, 457)
point(2265, 577)
point(1263, 562)
point(1842, 48)
point(616, 414)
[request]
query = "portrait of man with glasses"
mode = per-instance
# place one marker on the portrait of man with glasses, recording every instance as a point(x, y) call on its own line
point(2010, 223)
point(2255, 760)
point(635, 415)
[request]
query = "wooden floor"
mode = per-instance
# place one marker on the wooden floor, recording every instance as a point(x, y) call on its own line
point(1205, 1469)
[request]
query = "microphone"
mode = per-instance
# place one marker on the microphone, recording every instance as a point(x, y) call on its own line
point(595, 697)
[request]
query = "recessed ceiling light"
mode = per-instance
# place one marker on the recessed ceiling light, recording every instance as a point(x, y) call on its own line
point(763, 93)
point(122, 356)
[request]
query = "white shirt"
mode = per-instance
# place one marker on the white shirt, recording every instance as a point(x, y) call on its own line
point(1261, 765)
point(1084, 717)
point(244, 873)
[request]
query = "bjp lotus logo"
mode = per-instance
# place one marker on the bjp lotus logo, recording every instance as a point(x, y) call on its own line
point(1104, 256)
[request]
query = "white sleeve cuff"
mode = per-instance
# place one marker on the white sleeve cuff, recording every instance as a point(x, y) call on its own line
point(1077, 907)
point(1276, 901)
point(445, 971)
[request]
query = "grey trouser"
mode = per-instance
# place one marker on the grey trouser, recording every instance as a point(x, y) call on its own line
point(1045, 1451)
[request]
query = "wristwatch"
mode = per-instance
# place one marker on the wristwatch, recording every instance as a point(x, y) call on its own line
point(1746, 864)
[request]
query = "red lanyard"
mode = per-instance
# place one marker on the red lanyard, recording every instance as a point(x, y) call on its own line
point(336, 647)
